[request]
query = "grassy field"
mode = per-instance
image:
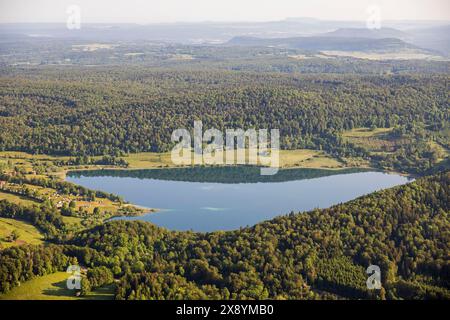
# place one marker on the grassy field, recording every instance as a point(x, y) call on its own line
point(28, 234)
point(150, 160)
point(378, 142)
point(374, 140)
point(365, 132)
point(53, 287)
point(441, 151)
point(72, 220)
point(17, 199)
point(305, 158)
point(288, 158)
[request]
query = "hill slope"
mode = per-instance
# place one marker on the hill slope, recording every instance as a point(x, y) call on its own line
point(318, 254)
point(381, 33)
point(404, 230)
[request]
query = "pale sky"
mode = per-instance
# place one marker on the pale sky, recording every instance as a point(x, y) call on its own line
point(156, 11)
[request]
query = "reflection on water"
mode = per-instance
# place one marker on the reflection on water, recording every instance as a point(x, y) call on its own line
point(208, 199)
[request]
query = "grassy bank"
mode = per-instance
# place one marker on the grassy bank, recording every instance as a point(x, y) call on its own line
point(26, 233)
point(53, 287)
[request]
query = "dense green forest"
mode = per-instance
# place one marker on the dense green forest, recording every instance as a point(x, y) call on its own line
point(317, 254)
point(112, 111)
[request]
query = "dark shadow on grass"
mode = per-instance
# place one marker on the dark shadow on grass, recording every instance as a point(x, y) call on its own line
point(61, 290)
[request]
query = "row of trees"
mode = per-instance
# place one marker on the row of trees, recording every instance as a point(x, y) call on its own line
point(22, 263)
point(85, 160)
point(47, 218)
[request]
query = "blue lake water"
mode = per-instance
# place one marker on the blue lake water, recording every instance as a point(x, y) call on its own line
point(222, 201)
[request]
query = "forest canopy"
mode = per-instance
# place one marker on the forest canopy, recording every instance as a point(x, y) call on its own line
point(111, 111)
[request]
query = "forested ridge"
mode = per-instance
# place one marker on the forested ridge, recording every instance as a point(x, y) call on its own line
point(112, 111)
point(317, 254)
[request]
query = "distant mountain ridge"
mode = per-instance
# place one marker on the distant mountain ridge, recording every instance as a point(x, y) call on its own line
point(436, 38)
point(325, 43)
point(429, 35)
point(369, 33)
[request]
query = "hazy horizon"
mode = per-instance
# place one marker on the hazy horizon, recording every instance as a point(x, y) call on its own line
point(201, 11)
point(226, 21)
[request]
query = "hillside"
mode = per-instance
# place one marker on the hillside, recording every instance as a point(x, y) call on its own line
point(115, 111)
point(381, 33)
point(431, 38)
point(317, 254)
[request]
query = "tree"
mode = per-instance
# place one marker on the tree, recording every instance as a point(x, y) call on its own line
point(14, 235)
point(72, 204)
point(85, 286)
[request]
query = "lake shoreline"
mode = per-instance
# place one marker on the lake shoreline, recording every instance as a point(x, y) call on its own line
point(247, 203)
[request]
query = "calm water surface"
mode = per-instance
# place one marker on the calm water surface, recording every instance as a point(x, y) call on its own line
point(206, 205)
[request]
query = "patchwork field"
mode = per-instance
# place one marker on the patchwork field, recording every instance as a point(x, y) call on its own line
point(305, 158)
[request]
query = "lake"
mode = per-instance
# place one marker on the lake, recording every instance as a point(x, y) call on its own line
point(209, 199)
